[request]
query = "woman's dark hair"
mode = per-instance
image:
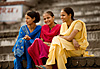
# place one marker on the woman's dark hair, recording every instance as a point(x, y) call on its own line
point(69, 10)
point(33, 14)
point(50, 13)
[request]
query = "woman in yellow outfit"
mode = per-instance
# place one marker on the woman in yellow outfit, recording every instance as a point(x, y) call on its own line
point(64, 45)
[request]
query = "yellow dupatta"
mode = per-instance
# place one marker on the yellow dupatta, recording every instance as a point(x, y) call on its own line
point(83, 40)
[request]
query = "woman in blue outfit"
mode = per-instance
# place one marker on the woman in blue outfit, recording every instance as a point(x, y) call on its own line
point(26, 37)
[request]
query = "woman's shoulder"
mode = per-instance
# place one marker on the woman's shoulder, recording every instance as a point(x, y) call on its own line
point(44, 25)
point(38, 25)
point(23, 26)
point(58, 24)
point(78, 20)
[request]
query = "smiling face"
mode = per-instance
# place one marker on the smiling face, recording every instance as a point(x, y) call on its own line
point(64, 16)
point(29, 20)
point(48, 19)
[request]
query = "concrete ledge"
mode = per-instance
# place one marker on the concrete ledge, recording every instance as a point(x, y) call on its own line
point(73, 63)
point(7, 65)
point(83, 62)
point(8, 33)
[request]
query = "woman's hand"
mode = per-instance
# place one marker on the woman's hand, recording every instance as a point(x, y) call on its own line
point(76, 45)
point(61, 36)
point(65, 37)
point(27, 37)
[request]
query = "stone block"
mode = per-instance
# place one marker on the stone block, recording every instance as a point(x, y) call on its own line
point(7, 41)
point(94, 44)
point(83, 63)
point(7, 65)
point(7, 49)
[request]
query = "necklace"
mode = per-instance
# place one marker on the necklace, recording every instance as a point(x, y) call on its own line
point(52, 26)
point(32, 29)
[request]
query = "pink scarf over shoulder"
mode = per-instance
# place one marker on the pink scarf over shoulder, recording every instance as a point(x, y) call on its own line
point(47, 34)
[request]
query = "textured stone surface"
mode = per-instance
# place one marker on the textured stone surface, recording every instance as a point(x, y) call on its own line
point(83, 62)
point(7, 41)
point(6, 65)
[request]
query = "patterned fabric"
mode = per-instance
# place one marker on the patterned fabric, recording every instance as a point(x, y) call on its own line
point(20, 43)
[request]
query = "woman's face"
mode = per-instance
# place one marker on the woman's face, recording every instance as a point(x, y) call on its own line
point(48, 19)
point(64, 16)
point(29, 20)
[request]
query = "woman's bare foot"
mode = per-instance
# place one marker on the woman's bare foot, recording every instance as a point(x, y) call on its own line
point(48, 66)
point(44, 66)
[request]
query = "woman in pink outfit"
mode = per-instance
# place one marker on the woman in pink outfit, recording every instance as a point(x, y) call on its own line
point(40, 47)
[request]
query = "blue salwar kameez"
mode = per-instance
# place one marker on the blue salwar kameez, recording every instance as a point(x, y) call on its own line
point(21, 45)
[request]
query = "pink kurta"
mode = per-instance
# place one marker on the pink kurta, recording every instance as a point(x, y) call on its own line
point(38, 50)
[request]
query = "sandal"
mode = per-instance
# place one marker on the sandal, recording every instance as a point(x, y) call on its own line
point(40, 67)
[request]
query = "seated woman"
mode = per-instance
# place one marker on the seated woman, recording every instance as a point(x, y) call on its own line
point(63, 46)
point(26, 37)
point(40, 47)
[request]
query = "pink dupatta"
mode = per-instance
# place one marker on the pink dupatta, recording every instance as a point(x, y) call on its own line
point(47, 34)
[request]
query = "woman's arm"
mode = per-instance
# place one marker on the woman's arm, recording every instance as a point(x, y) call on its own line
point(71, 36)
point(77, 28)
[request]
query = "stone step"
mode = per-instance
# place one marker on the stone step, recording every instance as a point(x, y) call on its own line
point(9, 26)
point(71, 0)
point(63, 4)
point(6, 57)
point(6, 49)
point(7, 41)
point(89, 19)
point(6, 65)
point(83, 63)
point(94, 44)
point(95, 51)
point(8, 33)
point(93, 9)
point(6, 61)
point(75, 3)
point(93, 35)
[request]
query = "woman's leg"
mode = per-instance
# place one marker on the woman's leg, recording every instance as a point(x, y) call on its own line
point(18, 62)
point(34, 52)
point(38, 50)
point(14, 63)
point(28, 57)
point(57, 53)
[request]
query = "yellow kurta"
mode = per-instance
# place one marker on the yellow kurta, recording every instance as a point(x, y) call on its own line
point(61, 49)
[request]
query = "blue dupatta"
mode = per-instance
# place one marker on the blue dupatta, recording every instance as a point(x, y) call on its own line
point(18, 48)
